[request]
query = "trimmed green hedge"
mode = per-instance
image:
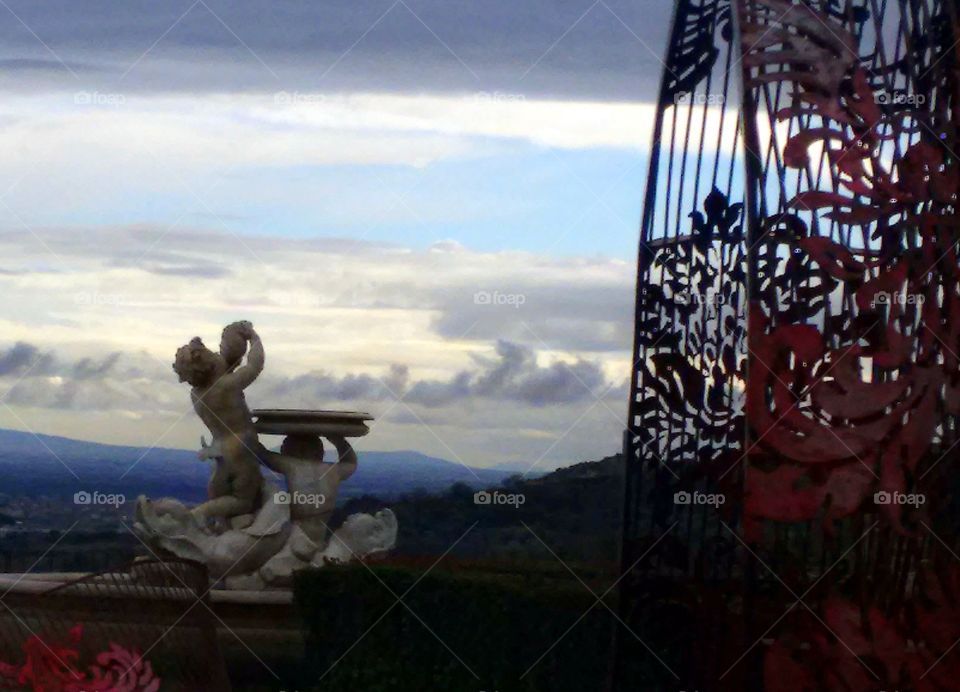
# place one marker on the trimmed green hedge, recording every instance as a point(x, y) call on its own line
point(498, 624)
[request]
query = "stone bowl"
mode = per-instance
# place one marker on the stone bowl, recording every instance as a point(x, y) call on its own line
point(286, 421)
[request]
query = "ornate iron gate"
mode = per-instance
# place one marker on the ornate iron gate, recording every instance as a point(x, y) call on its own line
point(790, 521)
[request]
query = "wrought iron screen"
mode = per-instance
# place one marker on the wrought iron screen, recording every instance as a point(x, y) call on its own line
point(790, 521)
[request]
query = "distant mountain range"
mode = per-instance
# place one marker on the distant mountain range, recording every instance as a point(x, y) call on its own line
point(37, 465)
point(576, 510)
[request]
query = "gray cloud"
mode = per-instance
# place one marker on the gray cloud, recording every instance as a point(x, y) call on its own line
point(90, 369)
point(512, 375)
point(320, 386)
point(49, 65)
point(515, 375)
point(605, 50)
point(505, 407)
point(209, 270)
point(23, 357)
point(26, 359)
point(555, 314)
point(45, 379)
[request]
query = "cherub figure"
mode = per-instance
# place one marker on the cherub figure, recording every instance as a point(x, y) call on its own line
point(218, 381)
point(309, 477)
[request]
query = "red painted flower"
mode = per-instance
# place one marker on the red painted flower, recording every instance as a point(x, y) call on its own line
point(55, 667)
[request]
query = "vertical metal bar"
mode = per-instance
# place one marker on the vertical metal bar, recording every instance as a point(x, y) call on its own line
point(754, 212)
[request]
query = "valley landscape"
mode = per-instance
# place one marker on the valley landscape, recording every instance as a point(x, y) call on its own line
point(43, 528)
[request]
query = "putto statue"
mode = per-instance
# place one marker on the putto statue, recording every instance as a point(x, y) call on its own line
point(218, 382)
point(249, 532)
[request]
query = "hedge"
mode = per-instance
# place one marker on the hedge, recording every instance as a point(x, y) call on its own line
point(498, 625)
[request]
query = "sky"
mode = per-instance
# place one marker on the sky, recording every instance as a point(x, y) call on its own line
point(429, 211)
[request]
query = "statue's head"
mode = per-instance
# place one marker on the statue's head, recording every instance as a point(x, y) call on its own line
point(196, 364)
point(303, 447)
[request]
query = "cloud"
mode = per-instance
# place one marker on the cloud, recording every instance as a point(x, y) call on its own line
point(333, 296)
point(23, 357)
point(43, 378)
point(48, 65)
point(360, 163)
point(508, 405)
point(318, 388)
point(133, 135)
point(514, 374)
point(197, 271)
point(609, 50)
point(346, 324)
point(591, 312)
point(47, 380)
point(233, 126)
point(90, 369)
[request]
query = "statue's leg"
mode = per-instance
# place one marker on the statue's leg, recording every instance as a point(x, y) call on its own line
point(237, 482)
point(219, 484)
point(225, 506)
point(246, 481)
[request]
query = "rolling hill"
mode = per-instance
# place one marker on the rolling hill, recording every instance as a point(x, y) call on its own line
point(35, 465)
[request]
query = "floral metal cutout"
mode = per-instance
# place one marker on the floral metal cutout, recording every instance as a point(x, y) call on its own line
point(842, 429)
point(56, 667)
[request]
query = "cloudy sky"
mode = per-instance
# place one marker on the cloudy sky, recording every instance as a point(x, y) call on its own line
point(428, 210)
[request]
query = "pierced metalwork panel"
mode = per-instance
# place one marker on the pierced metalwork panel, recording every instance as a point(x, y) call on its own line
point(686, 415)
point(797, 341)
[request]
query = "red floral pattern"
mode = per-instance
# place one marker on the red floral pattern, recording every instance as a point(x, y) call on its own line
point(862, 649)
point(823, 435)
point(55, 667)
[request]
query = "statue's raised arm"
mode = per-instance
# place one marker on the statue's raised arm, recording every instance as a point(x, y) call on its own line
point(346, 456)
point(233, 345)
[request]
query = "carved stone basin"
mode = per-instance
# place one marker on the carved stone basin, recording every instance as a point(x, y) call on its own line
point(300, 422)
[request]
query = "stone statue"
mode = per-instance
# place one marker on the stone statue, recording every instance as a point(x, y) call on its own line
point(249, 533)
point(217, 395)
point(313, 484)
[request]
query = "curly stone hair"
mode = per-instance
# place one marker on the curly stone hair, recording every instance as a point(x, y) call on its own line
point(195, 363)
